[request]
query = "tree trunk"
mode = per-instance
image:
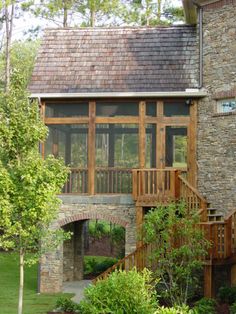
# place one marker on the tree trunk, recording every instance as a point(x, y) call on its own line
point(21, 287)
point(9, 26)
point(159, 11)
point(65, 15)
point(92, 18)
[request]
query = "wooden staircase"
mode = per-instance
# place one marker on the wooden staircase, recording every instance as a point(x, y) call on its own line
point(219, 230)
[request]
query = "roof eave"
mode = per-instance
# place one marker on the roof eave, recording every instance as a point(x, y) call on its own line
point(187, 93)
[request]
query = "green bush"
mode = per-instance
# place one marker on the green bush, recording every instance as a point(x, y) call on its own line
point(233, 308)
point(175, 310)
point(204, 306)
point(97, 264)
point(67, 305)
point(122, 292)
point(227, 295)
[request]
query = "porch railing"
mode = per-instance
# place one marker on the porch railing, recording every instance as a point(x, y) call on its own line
point(113, 181)
point(157, 185)
point(222, 235)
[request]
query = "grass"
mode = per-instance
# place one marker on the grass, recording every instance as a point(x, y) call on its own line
point(9, 280)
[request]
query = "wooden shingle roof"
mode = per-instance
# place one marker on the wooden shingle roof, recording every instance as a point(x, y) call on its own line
point(116, 60)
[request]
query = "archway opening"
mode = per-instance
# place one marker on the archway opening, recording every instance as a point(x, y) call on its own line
point(94, 246)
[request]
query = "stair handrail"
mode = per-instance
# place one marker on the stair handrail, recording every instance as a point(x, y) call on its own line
point(203, 203)
point(122, 262)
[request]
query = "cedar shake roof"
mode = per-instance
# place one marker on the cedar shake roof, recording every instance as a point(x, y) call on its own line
point(116, 60)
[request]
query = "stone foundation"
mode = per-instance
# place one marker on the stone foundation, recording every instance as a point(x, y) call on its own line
point(75, 210)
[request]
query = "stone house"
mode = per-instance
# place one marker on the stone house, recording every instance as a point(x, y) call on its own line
point(129, 109)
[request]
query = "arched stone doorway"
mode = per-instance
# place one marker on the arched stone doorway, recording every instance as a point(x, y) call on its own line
point(51, 265)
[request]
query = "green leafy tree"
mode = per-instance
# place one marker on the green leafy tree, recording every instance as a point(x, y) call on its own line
point(179, 247)
point(28, 184)
point(22, 58)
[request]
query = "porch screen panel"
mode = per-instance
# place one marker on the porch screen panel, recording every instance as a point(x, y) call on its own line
point(150, 146)
point(112, 108)
point(176, 147)
point(64, 109)
point(69, 141)
point(176, 108)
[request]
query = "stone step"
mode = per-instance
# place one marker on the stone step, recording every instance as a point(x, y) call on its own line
point(215, 217)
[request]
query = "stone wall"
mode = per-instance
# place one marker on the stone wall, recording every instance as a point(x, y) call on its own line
point(116, 209)
point(216, 144)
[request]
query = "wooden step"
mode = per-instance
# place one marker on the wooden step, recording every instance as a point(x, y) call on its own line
point(214, 214)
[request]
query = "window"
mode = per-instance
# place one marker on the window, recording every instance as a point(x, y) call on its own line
point(226, 105)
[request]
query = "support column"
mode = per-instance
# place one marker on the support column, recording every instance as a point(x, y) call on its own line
point(78, 250)
point(233, 275)
point(192, 139)
point(208, 284)
point(139, 223)
point(142, 134)
point(91, 148)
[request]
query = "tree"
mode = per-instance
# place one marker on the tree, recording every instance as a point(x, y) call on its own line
point(151, 12)
point(179, 248)
point(28, 184)
point(22, 57)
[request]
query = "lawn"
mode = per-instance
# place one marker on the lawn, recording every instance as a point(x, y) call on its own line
point(9, 280)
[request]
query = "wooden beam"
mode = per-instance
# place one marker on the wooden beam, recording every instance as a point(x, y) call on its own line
point(142, 134)
point(192, 139)
point(42, 112)
point(91, 148)
point(117, 120)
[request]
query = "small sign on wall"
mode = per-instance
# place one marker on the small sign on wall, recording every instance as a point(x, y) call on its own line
point(226, 105)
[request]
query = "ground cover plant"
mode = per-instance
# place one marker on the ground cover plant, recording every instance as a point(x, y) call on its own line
point(97, 264)
point(9, 280)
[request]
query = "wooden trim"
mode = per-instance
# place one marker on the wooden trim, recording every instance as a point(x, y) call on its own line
point(142, 134)
point(79, 120)
point(178, 121)
point(118, 120)
point(191, 153)
point(91, 148)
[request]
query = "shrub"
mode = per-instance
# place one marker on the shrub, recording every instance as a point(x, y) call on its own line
point(233, 308)
point(122, 292)
point(174, 310)
point(204, 306)
point(227, 295)
point(67, 305)
point(101, 267)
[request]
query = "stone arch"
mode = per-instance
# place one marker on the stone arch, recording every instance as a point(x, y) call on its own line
point(92, 215)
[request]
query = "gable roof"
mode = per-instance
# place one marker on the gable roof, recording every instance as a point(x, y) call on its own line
point(116, 60)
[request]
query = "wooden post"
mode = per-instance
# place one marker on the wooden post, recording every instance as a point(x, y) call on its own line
point(228, 237)
point(42, 112)
point(91, 148)
point(208, 287)
point(134, 183)
point(160, 138)
point(142, 134)
point(204, 207)
point(139, 222)
point(192, 138)
point(68, 149)
point(177, 184)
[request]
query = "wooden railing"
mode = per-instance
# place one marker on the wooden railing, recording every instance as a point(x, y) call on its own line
point(159, 185)
point(113, 181)
point(77, 181)
point(222, 235)
point(139, 259)
point(192, 198)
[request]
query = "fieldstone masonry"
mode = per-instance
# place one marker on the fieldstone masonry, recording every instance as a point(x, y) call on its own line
point(216, 143)
point(75, 210)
